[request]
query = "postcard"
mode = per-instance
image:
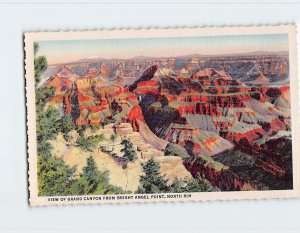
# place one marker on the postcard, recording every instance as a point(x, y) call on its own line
point(162, 115)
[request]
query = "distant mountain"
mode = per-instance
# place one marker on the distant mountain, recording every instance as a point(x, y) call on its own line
point(91, 59)
point(194, 55)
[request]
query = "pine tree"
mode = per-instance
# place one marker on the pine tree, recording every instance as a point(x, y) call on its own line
point(54, 177)
point(66, 124)
point(91, 174)
point(89, 143)
point(128, 150)
point(152, 181)
point(40, 64)
point(79, 186)
point(197, 184)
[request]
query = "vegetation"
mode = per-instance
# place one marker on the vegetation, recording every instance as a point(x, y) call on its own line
point(128, 150)
point(57, 178)
point(197, 184)
point(36, 47)
point(54, 176)
point(153, 182)
point(89, 143)
point(46, 127)
point(95, 127)
point(98, 181)
point(65, 124)
point(91, 174)
point(42, 94)
point(40, 64)
point(92, 181)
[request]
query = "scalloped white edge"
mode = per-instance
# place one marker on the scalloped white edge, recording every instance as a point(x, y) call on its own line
point(30, 37)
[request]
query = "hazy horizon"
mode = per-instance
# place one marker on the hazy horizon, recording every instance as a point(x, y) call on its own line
point(68, 51)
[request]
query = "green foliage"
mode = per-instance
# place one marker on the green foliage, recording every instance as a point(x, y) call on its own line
point(128, 150)
point(93, 181)
point(108, 189)
point(79, 186)
point(92, 175)
point(98, 181)
point(54, 177)
point(197, 184)
point(42, 95)
point(65, 124)
point(95, 127)
point(44, 149)
point(47, 127)
point(80, 129)
point(40, 65)
point(89, 143)
point(152, 181)
point(36, 47)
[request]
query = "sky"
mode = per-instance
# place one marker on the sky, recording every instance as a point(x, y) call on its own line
point(65, 51)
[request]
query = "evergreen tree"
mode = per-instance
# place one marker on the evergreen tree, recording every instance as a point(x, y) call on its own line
point(42, 94)
point(80, 186)
point(92, 174)
point(128, 150)
point(152, 181)
point(197, 184)
point(65, 124)
point(40, 64)
point(89, 143)
point(54, 177)
point(36, 47)
point(47, 127)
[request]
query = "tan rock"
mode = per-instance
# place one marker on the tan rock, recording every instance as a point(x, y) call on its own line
point(172, 168)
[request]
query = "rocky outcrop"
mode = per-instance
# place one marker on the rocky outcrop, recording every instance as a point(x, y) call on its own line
point(150, 86)
point(147, 75)
point(210, 73)
point(195, 140)
point(172, 168)
point(173, 149)
point(60, 84)
point(135, 115)
point(150, 138)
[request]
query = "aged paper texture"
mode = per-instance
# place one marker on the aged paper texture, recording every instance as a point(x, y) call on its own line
point(151, 115)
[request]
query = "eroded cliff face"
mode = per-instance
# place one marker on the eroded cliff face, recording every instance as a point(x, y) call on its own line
point(221, 110)
point(228, 108)
point(147, 75)
point(195, 140)
point(218, 174)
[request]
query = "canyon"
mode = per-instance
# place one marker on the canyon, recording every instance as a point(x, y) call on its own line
point(221, 117)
